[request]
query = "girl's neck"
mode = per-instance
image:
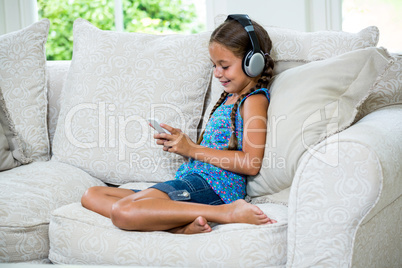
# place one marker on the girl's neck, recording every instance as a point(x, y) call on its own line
point(230, 99)
point(234, 96)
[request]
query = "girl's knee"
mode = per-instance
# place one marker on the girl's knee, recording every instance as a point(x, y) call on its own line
point(89, 196)
point(121, 215)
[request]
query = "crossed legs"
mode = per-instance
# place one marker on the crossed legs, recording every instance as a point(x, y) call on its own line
point(153, 210)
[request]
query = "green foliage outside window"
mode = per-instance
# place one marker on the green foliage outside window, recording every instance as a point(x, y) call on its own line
point(147, 16)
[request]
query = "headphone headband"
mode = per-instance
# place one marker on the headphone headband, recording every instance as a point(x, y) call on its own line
point(245, 21)
point(254, 60)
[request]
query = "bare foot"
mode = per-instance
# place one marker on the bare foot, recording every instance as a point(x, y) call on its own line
point(243, 212)
point(199, 225)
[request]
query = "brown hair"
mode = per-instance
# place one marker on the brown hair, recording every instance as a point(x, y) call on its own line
point(233, 36)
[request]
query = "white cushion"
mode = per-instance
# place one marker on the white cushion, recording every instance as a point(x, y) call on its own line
point(23, 83)
point(309, 103)
point(29, 194)
point(80, 236)
point(117, 81)
point(387, 91)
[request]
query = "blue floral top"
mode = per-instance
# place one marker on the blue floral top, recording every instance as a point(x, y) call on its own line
point(228, 185)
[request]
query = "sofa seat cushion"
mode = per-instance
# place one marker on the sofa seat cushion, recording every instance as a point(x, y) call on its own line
point(80, 236)
point(29, 194)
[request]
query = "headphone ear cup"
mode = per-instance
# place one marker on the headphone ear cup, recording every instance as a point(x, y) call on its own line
point(253, 64)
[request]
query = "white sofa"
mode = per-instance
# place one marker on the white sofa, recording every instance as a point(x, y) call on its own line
point(331, 175)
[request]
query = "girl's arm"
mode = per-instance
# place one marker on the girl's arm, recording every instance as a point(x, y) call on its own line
point(248, 161)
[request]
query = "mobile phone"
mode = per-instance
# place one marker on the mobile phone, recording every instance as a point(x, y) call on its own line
point(155, 125)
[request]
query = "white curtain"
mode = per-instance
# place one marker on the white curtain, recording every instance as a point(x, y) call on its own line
point(17, 14)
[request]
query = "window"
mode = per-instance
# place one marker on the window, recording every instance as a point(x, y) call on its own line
point(385, 14)
point(147, 16)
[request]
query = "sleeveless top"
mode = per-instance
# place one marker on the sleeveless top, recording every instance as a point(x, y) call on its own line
point(228, 185)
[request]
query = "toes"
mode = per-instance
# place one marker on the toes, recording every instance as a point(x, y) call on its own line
point(269, 221)
point(263, 217)
point(259, 211)
point(207, 228)
point(272, 221)
point(202, 224)
point(201, 220)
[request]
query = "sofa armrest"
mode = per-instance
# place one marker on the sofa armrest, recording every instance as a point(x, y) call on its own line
point(340, 185)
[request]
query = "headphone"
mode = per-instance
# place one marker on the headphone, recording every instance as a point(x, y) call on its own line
point(253, 61)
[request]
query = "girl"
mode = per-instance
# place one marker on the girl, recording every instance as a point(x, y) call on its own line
point(211, 186)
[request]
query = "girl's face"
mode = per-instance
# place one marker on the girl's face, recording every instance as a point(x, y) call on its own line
point(228, 69)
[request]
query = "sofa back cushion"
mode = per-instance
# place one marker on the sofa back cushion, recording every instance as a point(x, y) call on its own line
point(23, 84)
point(117, 81)
point(56, 77)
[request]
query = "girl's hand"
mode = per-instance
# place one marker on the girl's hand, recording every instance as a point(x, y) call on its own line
point(177, 142)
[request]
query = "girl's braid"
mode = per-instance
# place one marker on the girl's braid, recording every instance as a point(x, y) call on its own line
point(218, 103)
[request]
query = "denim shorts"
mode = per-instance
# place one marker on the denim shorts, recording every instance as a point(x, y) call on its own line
point(191, 188)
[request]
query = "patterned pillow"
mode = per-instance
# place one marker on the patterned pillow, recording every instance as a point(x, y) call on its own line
point(387, 91)
point(117, 81)
point(23, 83)
point(310, 103)
point(293, 48)
point(292, 45)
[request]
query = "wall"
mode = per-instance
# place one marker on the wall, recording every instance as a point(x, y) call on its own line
point(303, 15)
